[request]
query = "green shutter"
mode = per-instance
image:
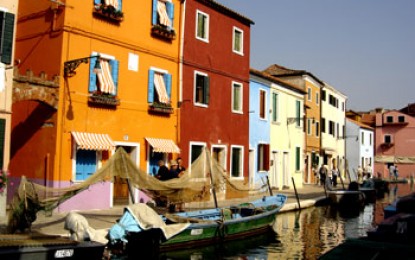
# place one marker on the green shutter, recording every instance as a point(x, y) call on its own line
point(6, 34)
point(298, 110)
point(206, 90)
point(297, 158)
point(2, 138)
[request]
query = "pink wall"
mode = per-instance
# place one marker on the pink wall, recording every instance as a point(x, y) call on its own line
point(403, 139)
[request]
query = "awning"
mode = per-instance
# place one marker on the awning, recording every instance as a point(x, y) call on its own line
point(395, 159)
point(163, 145)
point(92, 141)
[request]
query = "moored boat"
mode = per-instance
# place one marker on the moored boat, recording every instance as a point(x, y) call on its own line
point(29, 247)
point(184, 229)
point(347, 198)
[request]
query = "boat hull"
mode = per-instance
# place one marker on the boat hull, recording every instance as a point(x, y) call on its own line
point(346, 198)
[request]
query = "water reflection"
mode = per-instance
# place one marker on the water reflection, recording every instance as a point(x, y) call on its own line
point(301, 235)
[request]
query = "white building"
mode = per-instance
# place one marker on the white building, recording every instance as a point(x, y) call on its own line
point(359, 147)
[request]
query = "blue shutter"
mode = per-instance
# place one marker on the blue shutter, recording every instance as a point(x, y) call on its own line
point(6, 37)
point(170, 12)
point(206, 90)
point(92, 75)
point(97, 2)
point(154, 16)
point(114, 73)
point(86, 162)
point(119, 5)
point(150, 98)
point(167, 81)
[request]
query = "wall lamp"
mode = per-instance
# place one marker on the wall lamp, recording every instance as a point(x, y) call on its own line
point(70, 66)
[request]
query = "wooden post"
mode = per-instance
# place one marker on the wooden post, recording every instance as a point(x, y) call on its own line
point(296, 194)
point(269, 187)
point(130, 190)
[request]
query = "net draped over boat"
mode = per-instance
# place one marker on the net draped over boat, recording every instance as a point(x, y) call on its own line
point(195, 184)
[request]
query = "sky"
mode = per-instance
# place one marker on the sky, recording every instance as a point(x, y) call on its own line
point(363, 48)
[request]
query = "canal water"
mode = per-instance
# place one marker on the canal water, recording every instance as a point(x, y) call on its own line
point(306, 234)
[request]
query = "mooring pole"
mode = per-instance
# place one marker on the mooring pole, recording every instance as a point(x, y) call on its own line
point(131, 192)
point(296, 193)
point(269, 187)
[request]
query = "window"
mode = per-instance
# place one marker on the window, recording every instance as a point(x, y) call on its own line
point(263, 157)
point(317, 127)
point(202, 26)
point(196, 149)
point(237, 91)
point(274, 107)
point(238, 38)
point(159, 87)
point(309, 94)
point(401, 119)
point(389, 119)
point(298, 112)
point(317, 98)
point(323, 125)
point(2, 140)
point(363, 138)
point(262, 104)
point(6, 37)
point(297, 158)
point(387, 139)
point(237, 161)
point(331, 128)
point(323, 95)
point(86, 164)
point(309, 126)
point(163, 14)
point(104, 82)
point(370, 139)
point(201, 89)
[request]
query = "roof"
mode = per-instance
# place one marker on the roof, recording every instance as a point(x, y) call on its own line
point(225, 10)
point(276, 80)
point(280, 71)
point(362, 125)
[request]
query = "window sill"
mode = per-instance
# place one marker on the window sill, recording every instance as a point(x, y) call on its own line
point(163, 32)
point(161, 108)
point(103, 100)
point(108, 12)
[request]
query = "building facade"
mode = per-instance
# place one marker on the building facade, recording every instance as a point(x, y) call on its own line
point(117, 72)
point(214, 91)
point(8, 12)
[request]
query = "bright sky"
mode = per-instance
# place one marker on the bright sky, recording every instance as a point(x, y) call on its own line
point(363, 48)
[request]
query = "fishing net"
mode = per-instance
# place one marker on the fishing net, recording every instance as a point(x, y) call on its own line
point(197, 182)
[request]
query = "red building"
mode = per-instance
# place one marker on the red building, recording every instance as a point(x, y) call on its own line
point(214, 92)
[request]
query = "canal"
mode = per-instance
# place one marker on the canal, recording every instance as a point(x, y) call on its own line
point(305, 234)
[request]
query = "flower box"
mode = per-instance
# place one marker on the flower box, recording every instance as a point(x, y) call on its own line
point(161, 108)
point(108, 12)
point(163, 32)
point(105, 100)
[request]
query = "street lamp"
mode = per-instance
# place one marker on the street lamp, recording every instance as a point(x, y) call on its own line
point(71, 65)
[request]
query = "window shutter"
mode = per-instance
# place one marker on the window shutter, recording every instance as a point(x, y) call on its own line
point(2, 138)
point(97, 2)
point(114, 73)
point(206, 92)
point(266, 157)
point(119, 5)
point(150, 97)
point(6, 34)
point(92, 75)
point(154, 16)
point(170, 12)
point(167, 81)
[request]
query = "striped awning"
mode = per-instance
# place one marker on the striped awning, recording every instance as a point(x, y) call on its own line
point(163, 145)
point(92, 141)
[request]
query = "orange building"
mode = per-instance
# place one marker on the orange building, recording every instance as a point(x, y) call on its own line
point(117, 68)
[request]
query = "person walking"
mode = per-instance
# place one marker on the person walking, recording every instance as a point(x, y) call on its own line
point(391, 171)
point(334, 174)
point(359, 174)
point(323, 174)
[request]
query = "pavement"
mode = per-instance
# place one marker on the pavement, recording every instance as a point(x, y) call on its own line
point(53, 224)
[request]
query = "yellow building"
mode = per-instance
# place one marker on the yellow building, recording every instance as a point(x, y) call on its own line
point(118, 68)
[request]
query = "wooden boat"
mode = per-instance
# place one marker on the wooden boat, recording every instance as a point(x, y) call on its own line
point(39, 246)
point(197, 228)
point(370, 194)
point(347, 198)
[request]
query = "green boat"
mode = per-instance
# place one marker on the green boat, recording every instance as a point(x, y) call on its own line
point(142, 231)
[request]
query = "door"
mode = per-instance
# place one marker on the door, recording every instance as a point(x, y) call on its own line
point(285, 170)
point(121, 194)
point(273, 178)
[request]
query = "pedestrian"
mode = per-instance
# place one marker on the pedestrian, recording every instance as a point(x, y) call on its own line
point(334, 173)
point(323, 174)
point(163, 171)
point(391, 171)
point(359, 174)
point(396, 173)
point(180, 167)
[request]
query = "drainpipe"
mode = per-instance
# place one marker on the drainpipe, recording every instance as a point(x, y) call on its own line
point(180, 90)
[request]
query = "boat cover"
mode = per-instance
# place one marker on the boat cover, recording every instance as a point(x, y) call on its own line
point(139, 217)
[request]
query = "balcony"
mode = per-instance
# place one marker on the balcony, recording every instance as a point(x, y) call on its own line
point(108, 12)
point(163, 32)
point(103, 100)
point(160, 108)
point(386, 145)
